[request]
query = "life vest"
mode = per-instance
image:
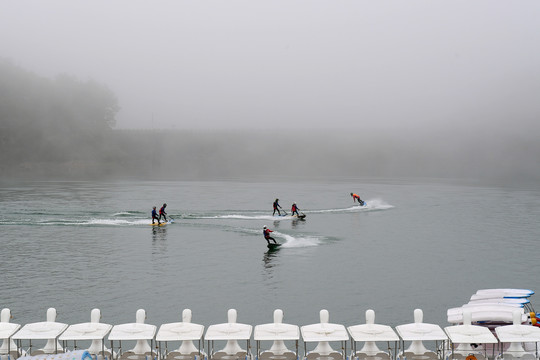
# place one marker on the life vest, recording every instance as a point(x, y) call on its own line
point(535, 320)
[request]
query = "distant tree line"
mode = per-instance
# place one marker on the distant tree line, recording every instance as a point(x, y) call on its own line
point(51, 121)
point(63, 128)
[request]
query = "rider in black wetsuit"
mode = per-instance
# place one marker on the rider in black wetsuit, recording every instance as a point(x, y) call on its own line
point(276, 208)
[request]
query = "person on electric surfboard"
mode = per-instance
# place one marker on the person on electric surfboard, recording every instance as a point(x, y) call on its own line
point(356, 197)
point(155, 216)
point(267, 237)
point(163, 213)
point(294, 209)
point(276, 208)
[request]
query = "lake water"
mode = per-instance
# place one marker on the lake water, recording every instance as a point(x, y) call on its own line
point(417, 244)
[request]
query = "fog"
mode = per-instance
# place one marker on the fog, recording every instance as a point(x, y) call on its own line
point(310, 87)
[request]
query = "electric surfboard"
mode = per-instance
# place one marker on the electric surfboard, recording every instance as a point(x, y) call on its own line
point(163, 223)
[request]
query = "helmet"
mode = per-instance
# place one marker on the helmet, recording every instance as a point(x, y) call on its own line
point(351, 194)
point(264, 227)
point(153, 207)
point(164, 204)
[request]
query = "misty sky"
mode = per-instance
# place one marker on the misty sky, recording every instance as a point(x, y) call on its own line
point(362, 64)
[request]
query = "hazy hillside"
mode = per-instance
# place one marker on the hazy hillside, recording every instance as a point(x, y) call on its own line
point(63, 128)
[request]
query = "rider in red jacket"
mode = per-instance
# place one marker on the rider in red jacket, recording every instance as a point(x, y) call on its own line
point(294, 209)
point(163, 213)
point(266, 233)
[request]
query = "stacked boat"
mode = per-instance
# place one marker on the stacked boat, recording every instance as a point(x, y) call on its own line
point(495, 307)
point(506, 313)
point(481, 329)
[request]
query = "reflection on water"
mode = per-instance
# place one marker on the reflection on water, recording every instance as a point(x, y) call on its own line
point(159, 245)
point(294, 222)
point(269, 258)
point(159, 233)
point(270, 269)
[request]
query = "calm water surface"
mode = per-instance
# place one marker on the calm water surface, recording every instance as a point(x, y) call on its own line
point(418, 244)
